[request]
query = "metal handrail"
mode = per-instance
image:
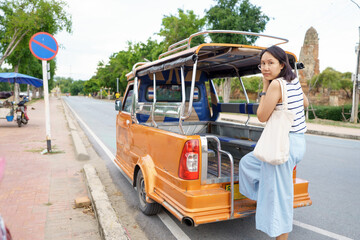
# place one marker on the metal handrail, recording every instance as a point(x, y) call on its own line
point(219, 150)
point(154, 102)
point(231, 181)
point(183, 99)
point(135, 95)
point(134, 101)
point(245, 93)
point(171, 48)
point(191, 92)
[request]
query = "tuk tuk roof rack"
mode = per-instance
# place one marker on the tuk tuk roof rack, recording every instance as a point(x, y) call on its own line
point(185, 43)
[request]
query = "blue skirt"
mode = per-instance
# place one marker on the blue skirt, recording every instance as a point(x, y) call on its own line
point(272, 187)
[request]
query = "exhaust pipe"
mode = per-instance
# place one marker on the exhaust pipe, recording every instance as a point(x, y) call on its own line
point(188, 221)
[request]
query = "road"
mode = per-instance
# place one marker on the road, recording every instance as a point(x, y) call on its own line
point(332, 166)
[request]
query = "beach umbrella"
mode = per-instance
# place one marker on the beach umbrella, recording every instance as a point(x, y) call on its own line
point(13, 77)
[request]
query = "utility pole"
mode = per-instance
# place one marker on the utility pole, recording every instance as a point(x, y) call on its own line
point(355, 105)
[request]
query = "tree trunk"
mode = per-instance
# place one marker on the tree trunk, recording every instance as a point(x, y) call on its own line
point(16, 39)
point(28, 91)
point(227, 90)
point(16, 86)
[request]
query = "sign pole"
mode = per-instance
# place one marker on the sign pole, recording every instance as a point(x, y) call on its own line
point(355, 105)
point(44, 47)
point(47, 105)
point(117, 84)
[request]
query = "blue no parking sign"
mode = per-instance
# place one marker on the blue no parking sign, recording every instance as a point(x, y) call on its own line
point(43, 46)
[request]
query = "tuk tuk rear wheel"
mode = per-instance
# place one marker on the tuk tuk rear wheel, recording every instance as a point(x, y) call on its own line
point(146, 207)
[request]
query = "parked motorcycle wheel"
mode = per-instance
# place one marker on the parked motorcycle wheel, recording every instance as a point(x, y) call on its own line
point(23, 119)
point(18, 120)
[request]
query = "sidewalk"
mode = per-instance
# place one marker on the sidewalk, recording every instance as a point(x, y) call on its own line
point(37, 191)
point(312, 128)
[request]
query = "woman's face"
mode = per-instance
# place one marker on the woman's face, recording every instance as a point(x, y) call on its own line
point(270, 66)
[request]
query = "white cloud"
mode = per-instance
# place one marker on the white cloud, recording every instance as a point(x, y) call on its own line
point(101, 28)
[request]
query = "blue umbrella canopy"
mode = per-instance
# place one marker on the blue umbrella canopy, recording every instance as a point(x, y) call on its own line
point(20, 78)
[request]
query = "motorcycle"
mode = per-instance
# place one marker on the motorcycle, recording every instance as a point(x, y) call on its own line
point(21, 112)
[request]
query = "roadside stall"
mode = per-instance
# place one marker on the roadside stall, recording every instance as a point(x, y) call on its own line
point(8, 108)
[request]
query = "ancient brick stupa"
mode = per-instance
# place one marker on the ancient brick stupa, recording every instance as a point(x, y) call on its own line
point(309, 55)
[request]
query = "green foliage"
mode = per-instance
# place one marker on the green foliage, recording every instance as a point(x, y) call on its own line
point(332, 80)
point(4, 86)
point(68, 85)
point(251, 84)
point(176, 28)
point(238, 15)
point(20, 19)
point(330, 112)
point(64, 84)
point(77, 87)
point(91, 86)
point(121, 63)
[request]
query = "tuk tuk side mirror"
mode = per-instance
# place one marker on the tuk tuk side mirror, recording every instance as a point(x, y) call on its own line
point(118, 105)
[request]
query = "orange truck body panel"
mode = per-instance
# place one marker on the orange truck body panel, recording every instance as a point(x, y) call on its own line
point(157, 152)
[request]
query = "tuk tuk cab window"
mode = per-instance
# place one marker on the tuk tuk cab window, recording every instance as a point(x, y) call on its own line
point(170, 93)
point(128, 100)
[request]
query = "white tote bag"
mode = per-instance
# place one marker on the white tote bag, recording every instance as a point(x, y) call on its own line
point(273, 145)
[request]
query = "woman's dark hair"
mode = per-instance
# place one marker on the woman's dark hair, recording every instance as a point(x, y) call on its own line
point(282, 57)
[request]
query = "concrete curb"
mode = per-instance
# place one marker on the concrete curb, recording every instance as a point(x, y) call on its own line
point(80, 149)
point(109, 225)
point(309, 131)
point(329, 134)
point(81, 152)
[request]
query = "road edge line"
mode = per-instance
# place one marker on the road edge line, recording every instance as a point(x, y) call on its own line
point(320, 231)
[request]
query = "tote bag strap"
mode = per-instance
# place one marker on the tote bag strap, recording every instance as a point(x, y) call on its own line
point(283, 93)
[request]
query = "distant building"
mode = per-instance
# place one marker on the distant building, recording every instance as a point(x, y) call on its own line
point(309, 56)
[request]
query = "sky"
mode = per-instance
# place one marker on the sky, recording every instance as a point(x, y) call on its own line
point(101, 28)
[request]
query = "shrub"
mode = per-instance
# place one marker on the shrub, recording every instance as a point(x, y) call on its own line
point(331, 112)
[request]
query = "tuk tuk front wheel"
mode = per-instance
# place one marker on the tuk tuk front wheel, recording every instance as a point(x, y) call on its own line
point(146, 207)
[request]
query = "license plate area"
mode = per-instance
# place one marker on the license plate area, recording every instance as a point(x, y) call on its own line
point(237, 194)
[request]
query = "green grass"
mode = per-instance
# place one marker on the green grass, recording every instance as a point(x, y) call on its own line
point(54, 150)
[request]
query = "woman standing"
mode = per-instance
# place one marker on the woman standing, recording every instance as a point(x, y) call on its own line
point(272, 185)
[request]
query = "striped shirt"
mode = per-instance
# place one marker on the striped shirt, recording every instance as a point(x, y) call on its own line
point(296, 105)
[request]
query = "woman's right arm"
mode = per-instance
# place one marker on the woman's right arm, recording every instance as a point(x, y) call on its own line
point(268, 102)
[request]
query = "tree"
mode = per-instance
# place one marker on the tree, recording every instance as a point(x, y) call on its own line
point(91, 86)
point(176, 28)
point(121, 63)
point(238, 15)
point(329, 78)
point(77, 87)
point(20, 19)
point(64, 84)
point(346, 84)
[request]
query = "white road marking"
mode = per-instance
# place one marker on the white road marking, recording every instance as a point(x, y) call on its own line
point(171, 225)
point(320, 231)
point(164, 217)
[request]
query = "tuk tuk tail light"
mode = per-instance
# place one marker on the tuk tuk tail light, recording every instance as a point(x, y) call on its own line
point(189, 161)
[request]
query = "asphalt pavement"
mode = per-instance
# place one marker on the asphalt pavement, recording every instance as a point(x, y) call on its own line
point(39, 189)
